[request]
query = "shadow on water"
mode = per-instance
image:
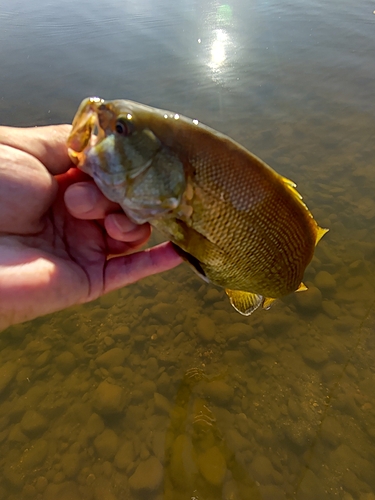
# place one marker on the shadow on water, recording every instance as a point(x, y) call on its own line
point(161, 390)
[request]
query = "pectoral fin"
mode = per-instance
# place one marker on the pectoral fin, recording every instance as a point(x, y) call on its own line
point(244, 302)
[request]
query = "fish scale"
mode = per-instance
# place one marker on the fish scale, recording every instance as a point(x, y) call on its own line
point(239, 224)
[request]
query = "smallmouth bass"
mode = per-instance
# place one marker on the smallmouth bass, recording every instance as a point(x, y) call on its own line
point(240, 225)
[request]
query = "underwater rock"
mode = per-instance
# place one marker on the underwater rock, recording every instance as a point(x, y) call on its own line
point(33, 423)
point(109, 399)
point(95, 425)
point(182, 468)
point(331, 309)
point(113, 357)
point(161, 403)
point(262, 469)
point(65, 362)
point(314, 355)
point(219, 392)
point(212, 466)
point(310, 488)
point(147, 477)
point(325, 281)
point(331, 431)
point(7, 373)
point(106, 444)
point(206, 329)
point(276, 323)
point(152, 368)
point(125, 455)
point(71, 464)
point(255, 346)
point(34, 455)
point(310, 300)
point(16, 435)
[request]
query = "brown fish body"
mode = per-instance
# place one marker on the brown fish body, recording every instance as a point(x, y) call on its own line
point(238, 222)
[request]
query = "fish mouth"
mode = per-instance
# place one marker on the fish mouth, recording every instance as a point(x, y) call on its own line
point(86, 131)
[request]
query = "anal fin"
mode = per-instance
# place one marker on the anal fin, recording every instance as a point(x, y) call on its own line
point(244, 302)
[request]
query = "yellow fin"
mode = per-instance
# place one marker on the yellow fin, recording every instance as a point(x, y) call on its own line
point(302, 287)
point(267, 302)
point(320, 233)
point(244, 302)
point(292, 188)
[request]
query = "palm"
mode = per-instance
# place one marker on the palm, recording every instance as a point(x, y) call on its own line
point(52, 260)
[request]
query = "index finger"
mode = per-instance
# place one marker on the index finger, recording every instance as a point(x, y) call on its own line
point(47, 144)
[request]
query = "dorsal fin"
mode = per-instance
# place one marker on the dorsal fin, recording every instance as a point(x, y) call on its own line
point(291, 186)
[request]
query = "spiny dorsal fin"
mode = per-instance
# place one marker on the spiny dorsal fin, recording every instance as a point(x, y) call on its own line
point(244, 302)
point(292, 188)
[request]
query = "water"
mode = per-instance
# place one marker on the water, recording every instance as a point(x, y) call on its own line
point(197, 402)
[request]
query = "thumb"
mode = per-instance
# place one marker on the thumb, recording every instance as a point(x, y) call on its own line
point(121, 271)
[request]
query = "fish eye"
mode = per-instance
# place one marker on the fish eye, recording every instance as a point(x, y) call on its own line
point(124, 127)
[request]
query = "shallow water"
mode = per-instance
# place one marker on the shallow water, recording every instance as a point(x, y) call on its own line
point(161, 391)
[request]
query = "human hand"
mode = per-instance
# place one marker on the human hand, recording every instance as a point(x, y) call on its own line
point(57, 231)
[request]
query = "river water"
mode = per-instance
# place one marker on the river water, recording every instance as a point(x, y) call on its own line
point(161, 391)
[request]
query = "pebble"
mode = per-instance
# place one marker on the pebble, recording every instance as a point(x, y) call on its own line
point(325, 281)
point(234, 358)
point(272, 492)
point(33, 423)
point(165, 313)
point(276, 323)
point(212, 466)
point(161, 403)
point(212, 295)
point(255, 346)
point(34, 455)
point(71, 464)
point(147, 477)
point(109, 398)
point(113, 357)
point(310, 300)
point(65, 362)
point(236, 442)
point(95, 425)
point(41, 484)
point(109, 300)
point(240, 330)
point(314, 355)
point(152, 368)
point(121, 332)
point(262, 469)
point(16, 435)
point(206, 329)
point(182, 467)
point(219, 392)
point(310, 487)
point(331, 431)
point(7, 373)
point(106, 444)
point(331, 309)
point(42, 359)
point(125, 455)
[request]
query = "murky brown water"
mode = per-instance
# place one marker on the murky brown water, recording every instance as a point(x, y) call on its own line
point(161, 391)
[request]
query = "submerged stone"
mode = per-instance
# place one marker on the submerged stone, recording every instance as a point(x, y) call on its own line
point(212, 466)
point(147, 477)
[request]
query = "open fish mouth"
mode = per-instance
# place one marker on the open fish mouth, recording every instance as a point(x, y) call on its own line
point(86, 131)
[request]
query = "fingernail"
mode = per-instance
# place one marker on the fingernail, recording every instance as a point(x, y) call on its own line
point(81, 199)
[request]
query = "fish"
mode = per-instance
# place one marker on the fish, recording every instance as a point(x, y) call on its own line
point(236, 221)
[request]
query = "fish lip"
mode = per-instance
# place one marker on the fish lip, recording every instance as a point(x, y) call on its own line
point(86, 131)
